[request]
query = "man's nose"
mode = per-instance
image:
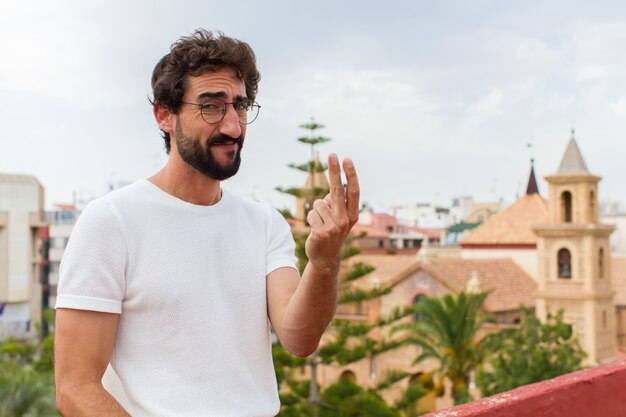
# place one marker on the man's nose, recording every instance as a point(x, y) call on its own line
point(230, 125)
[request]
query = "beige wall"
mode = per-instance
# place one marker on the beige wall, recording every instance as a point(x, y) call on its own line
point(587, 297)
point(621, 327)
point(371, 371)
point(21, 205)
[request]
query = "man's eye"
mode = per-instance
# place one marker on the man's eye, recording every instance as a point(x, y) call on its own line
point(209, 107)
point(242, 106)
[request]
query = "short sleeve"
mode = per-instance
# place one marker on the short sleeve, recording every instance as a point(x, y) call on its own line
point(280, 250)
point(93, 269)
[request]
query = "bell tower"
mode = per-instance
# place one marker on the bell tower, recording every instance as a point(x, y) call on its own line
point(575, 257)
point(316, 186)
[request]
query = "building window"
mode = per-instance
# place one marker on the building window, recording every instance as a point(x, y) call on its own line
point(417, 316)
point(566, 204)
point(381, 243)
point(601, 263)
point(54, 266)
point(604, 319)
point(564, 263)
point(348, 376)
point(58, 242)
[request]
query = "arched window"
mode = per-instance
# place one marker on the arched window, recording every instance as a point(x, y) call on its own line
point(566, 206)
point(419, 297)
point(348, 376)
point(601, 263)
point(564, 263)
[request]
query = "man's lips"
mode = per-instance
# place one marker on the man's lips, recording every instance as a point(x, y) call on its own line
point(227, 146)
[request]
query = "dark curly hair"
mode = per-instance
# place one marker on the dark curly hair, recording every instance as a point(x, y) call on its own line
point(194, 55)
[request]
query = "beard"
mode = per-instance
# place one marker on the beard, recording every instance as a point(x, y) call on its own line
point(201, 158)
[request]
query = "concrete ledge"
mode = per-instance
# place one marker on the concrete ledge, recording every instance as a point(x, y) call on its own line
point(592, 392)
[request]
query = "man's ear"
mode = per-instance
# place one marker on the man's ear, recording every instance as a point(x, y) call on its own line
point(163, 117)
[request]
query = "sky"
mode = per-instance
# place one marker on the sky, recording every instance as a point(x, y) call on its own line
point(432, 100)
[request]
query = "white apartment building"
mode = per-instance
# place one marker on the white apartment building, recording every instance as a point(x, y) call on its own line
point(614, 213)
point(424, 216)
point(21, 215)
point(61, 221)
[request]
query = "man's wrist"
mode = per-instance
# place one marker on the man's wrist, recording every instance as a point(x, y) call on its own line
point(325, 268)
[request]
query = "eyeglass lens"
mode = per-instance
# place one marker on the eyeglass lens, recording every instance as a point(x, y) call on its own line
point(214, 109)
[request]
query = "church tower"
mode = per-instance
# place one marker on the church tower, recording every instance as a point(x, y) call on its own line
point(315, 187)
point(575, 258)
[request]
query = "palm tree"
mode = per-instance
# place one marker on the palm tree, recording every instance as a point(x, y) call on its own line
point(446, 329)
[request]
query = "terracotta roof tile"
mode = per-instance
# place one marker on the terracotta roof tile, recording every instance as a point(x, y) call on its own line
point(512, 225)
point(510, 284)
point(387, 266)
point(371, 231)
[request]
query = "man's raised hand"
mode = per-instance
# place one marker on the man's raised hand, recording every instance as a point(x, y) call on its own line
point(332, 218)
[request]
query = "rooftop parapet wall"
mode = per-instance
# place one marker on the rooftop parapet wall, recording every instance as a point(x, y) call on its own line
point(593, 392)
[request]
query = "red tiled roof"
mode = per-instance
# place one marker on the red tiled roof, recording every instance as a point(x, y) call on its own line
point(69, 207)
point(387, 266)
point(370, 231)
point(510, 284)
point(512, 225)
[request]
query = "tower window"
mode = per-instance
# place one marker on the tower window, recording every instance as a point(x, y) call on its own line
point(601, 263)
point(564, 263)
point(566, 205)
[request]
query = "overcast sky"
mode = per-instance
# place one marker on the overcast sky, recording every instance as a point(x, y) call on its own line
point(431, 99)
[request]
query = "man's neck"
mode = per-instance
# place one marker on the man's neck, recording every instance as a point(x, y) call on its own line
point(187, 184)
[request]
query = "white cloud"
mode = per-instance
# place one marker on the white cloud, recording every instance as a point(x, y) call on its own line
point(431, 99)
point(619, 107)
point(486, 108)
point(591, 72)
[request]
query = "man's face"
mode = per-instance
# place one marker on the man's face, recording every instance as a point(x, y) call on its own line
point(212, 149)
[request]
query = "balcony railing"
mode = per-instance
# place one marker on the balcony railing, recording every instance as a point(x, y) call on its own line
point(592, 392)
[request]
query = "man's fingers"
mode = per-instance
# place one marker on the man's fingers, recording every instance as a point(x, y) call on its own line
point(314, 220)
point(322, 209)
point(336, 188)
point(329, 201)
point(353, 191)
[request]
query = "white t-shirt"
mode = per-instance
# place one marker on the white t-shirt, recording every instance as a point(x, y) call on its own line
point(189, 283)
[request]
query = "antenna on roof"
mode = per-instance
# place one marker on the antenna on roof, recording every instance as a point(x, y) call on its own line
point(531, 147)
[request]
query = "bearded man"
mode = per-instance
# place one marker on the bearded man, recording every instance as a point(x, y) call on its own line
point(168, 286)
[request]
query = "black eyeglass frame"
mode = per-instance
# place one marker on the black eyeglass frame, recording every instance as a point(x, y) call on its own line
point(249, 104)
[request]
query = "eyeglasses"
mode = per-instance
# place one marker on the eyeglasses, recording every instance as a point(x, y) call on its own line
point(213, 110)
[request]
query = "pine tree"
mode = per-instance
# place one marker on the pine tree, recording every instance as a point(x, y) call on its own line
point(350, 341)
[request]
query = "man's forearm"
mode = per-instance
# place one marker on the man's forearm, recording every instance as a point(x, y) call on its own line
point(309, 311)
point(90, 400)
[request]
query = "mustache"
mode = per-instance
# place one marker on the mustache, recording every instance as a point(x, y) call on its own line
point(219, 139)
